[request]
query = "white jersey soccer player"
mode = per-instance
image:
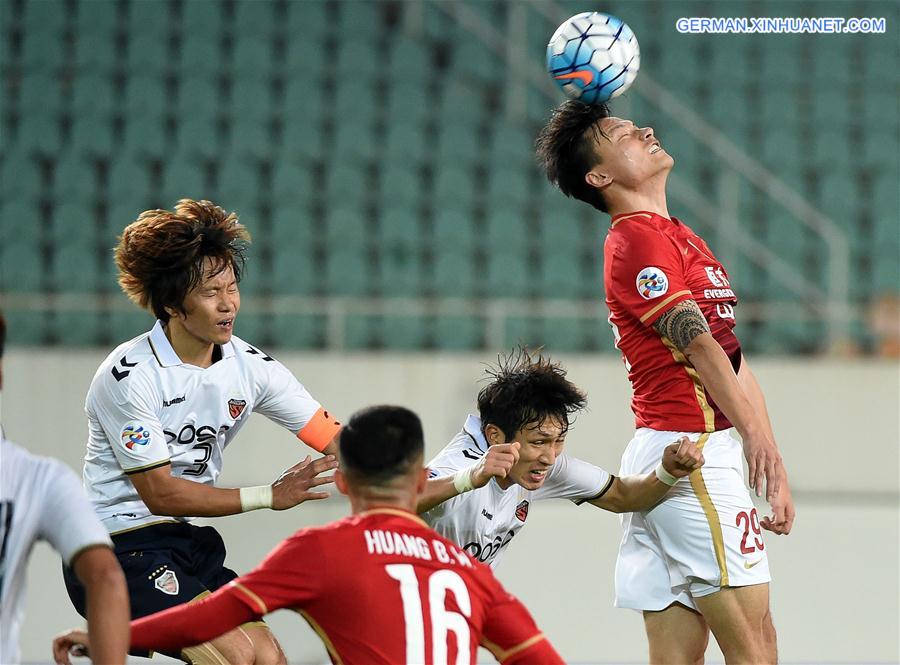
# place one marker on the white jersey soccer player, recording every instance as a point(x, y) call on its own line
point(147, 409)
point(485, 520)
point(40, 499)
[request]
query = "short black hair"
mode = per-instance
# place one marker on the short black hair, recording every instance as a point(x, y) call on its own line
point(379, 443)
point(528, 389)
point(565, 149)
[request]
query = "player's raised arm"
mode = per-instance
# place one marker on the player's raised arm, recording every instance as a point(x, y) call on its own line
point(636, 493)
point(687, 329)
point(166, 495)
point(495, 463)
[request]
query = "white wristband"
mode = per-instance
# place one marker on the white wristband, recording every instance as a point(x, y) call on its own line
point(664, 476)
point(254, 498)
point(462, 480)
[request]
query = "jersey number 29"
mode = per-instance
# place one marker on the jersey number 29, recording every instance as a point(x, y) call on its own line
point(443, 621)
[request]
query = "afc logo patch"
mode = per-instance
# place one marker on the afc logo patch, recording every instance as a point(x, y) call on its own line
point(167, 582)
point(134, 434)
point(522, 510)
point(651, 283)
point(236, 408)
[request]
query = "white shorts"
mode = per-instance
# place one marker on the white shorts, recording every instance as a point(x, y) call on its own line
point(704, 536)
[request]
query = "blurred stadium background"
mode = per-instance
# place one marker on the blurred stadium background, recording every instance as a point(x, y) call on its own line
point(381, 154)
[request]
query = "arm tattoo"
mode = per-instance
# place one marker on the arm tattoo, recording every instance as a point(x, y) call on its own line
point(682, 324)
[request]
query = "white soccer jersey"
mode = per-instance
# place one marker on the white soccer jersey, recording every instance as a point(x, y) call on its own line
point(40, 499)
point(147, 409)
point(484, 520)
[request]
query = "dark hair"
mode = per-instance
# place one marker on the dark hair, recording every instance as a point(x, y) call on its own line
point(379, 443)
point(526, 389)
point(160, 256)
point(2, 333)
point(565, 149)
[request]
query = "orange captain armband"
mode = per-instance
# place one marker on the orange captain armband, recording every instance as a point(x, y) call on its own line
point(320, 430)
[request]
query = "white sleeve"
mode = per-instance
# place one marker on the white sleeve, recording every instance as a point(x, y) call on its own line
point(129, 417)
point(575, 479)
point(285, 401)
point(67, 520)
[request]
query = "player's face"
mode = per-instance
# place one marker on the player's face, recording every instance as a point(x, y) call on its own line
point(540, 444)
point(211, 307)
point(629, 155)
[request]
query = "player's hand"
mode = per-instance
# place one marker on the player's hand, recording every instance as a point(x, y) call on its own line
point(495, 463)
point(292, 486)
point(682, 457)
point(764, 463)
point(75, 642)
point(782, 505)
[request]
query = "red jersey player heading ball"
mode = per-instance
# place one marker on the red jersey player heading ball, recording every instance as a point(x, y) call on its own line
point(378, 587)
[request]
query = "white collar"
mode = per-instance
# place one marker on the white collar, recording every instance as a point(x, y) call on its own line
point(473, 429)
point(165, 354)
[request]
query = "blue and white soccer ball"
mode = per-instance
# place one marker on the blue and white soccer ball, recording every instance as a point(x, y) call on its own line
point(593, 57)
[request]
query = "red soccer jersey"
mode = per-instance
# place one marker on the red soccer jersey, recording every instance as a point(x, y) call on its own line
point(650, 265)
point(378, 588)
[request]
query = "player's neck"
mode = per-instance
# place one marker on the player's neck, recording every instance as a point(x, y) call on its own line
point(189, 349)
point(651, 197)
point(361, 502)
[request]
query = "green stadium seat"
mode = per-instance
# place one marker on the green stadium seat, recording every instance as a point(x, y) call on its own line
point(507, 275)
point(92, 134)
point(839, 197)
point(399, 270)
point(20, 175)
point(360, 18)
point(833, 62)
point(42, 51)
point(462, 102)
point(879, 108)
point(728, 66)
point(46, 18)
point(39, 93)
point(292, 184)
point(399, 224)
point(252, 98)
point(73, 224)
point(781, 149)
point(403, 102)
point(305, 56)
point(399, 185)
point(454, 186)
point(199, 96)
point(201, 55)
point(97, 22)
point(512, 144)
point(458, 333)
point(453, 227)
point(355, 64)
point(93, 94)
point(21, 222)
point(880, 149)
point(146, 96)
point(298, 331)
point(561, 335)
point(39, 133)
point(255, 18)
point(402, 333)
point(293, 265)
point(19, 257)
point(474, 60)
point(404, 144)
point(508, 188)
point(144, 55)
point(74, 178)
point(455, 272)
point(301, 140)
point(253, 58)
point(506, 230)
point(831, 148)
point(89, 58)
point(24, 327)
point(458, 144)
point(250, 136)
point(202, 17)
point(128, 322)
point(360, 332)
point(522, 330)
point(345, 183)
point(304, 106)
point(354, 139)
point(238, 186)
point(183, 177)
point(347, 226)
point(409, 60)
point(347, 271)
point(128, 181)
point(144, 136)
point(307, 20)
point(198, 135)
point(559, 276)
point(150, 18)
point(73, 269)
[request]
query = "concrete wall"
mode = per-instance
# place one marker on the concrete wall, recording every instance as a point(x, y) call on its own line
point(835, 589)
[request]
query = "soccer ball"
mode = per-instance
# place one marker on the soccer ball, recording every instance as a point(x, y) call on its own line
point(593, 57)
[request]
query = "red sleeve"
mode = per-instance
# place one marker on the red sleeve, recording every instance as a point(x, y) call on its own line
point(191, 623)
point(646, 273)
point(289, 576)
point(512, 636)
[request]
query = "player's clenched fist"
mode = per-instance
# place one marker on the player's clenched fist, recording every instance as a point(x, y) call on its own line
point(495, 463)
point(682, 457)
point(292, 486)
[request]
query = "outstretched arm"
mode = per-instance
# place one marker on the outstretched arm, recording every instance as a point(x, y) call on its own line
point(107, 603)
point(635, 493)
point(684, 328)
point(496, 462)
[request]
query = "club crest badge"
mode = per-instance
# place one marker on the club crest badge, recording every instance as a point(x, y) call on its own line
point(651, 283)
point(522, 510)
point(236, 407)
point(167, 583)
